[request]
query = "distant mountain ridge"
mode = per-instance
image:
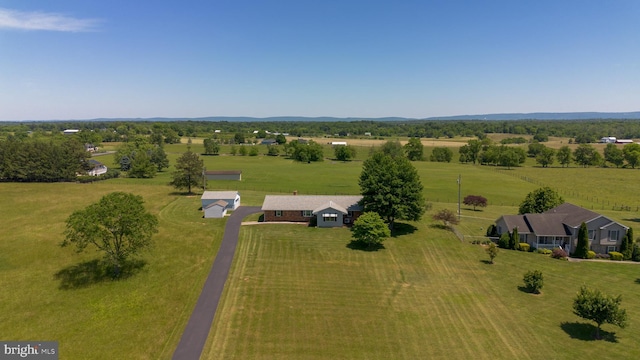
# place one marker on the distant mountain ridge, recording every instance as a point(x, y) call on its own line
point(544, 116)
point(497, 117)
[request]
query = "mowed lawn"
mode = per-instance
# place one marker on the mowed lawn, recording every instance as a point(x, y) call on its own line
point(300, 293)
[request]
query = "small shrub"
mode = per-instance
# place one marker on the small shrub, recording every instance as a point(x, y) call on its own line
point(492, 230)
point(533, 281)
point(616, 256)
point(524, 247)
point(533, 249)
point(602, 256)
point(559, 253)
point(591, 254)
point(544, 251)
point(487, 242)
point(503, 242)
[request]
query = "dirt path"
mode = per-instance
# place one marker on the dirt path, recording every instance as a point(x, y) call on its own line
point(195, 334)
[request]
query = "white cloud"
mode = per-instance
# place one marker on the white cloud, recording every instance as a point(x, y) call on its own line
point(13, 19)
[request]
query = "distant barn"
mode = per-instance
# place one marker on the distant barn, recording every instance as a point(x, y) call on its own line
point(223, 175)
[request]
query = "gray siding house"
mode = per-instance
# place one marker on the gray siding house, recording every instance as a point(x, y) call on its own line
point(212, 200)
point(558, 227)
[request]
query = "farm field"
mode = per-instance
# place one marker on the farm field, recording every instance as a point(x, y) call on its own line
point(298, 292)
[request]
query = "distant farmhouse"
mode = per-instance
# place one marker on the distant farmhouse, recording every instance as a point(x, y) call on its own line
point(70, 131)
point(324, 210)
point(558, 227)
point(216, 203)
point(97, 168)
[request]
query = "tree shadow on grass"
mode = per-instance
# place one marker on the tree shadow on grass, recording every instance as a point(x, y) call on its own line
point(487, 262)
point(637, 281)
point(587, 332)
point(400, 229)
point(440, 226)
point(358, 245)
point(632, 219)
point(95, 271)
point(525, 289)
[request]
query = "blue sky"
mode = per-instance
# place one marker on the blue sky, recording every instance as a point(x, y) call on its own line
point(83, 59)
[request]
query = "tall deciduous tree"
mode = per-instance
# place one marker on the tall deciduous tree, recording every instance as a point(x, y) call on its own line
point(613, 154)
point(593, 305)
point(587, 155)
point(414, 149)
point(188, 171)
point(370, 229)
point(441, 154)
point(118, 225)
point(564, 156)
point(540, 200)
point(631, 154)
point(393, 149)
point(546, 156)
point(211, 147)
point(392, 188)
point(344, 152)
point(582, 247)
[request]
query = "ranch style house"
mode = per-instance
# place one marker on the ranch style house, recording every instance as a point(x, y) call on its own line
point(558, 227)
point(325, 210)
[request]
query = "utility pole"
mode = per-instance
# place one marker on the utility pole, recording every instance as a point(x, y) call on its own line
point(459, 183)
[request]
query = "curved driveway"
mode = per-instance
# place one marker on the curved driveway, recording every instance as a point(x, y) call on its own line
point(197, 330)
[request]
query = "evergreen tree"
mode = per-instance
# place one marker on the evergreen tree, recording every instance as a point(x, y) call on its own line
point(514, 240)
point(626, 247)
point(582, 248)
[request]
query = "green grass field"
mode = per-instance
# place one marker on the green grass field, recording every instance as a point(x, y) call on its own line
point(298, 292)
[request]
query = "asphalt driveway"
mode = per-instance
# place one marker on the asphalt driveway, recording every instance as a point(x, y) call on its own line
point(197, 330)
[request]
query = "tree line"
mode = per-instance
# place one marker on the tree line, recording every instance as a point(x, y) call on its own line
point(581, 131)
point(42, 159)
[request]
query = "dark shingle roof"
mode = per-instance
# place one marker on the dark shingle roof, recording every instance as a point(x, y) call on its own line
point(574, 215)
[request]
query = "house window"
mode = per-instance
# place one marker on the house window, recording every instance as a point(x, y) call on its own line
point(278, 213)
point(614, 235)
point(591, 234)
point(610, 249)
point(307, 213)
point(330, 217)
point(523, 237)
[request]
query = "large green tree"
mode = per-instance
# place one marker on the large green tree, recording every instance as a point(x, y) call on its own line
point(441, 154)
point(546, 156)
point(593, 305)
point(540, 200)
point(414, 149)
point(188, 171)
point(370, 229)
point(587, 155)
point(211, 147)
point(344, 152)
point(613, 154)
point(117, 225)
point(582, 247)
point(631, 153)
point(391, 187)
point(564, 156)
